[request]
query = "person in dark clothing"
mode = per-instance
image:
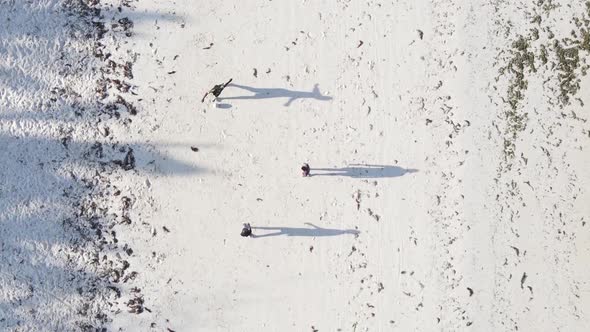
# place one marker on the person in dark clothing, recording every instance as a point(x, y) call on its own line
point(305, 170)
point(216, 90)
point(246, 231)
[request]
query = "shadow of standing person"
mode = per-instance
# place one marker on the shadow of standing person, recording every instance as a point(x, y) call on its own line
point(314, 231)
point(265, 93)
point(364, 171)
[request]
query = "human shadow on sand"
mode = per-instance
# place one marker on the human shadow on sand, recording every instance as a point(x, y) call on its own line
point(363, 171)
point(264, 93)
point(315, 231)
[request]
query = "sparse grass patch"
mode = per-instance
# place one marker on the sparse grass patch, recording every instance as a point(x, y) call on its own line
point(530, 53)
point(568, 60)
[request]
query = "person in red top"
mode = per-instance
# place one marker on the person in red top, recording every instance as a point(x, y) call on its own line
point(305, 170)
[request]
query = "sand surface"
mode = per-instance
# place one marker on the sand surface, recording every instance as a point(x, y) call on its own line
point(447, 141)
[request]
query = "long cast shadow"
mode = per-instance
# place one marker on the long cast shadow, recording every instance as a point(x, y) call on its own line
point(364, 171)
point(61, 267)
point(265, 93)
point(298, 231)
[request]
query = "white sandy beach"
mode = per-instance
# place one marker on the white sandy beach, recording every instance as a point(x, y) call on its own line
point(447, 141)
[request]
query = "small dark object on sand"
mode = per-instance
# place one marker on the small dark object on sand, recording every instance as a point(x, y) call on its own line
point(195, 149)
point(128, 163)
point(246, 231)
point(305, 169)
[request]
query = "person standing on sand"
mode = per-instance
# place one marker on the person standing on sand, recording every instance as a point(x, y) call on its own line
point(216, 90)
point(305, 170)
point(246, 231)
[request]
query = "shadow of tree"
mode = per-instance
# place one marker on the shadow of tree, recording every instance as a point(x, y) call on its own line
point(364, 171)
point(62, 198)
point(265, 93)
